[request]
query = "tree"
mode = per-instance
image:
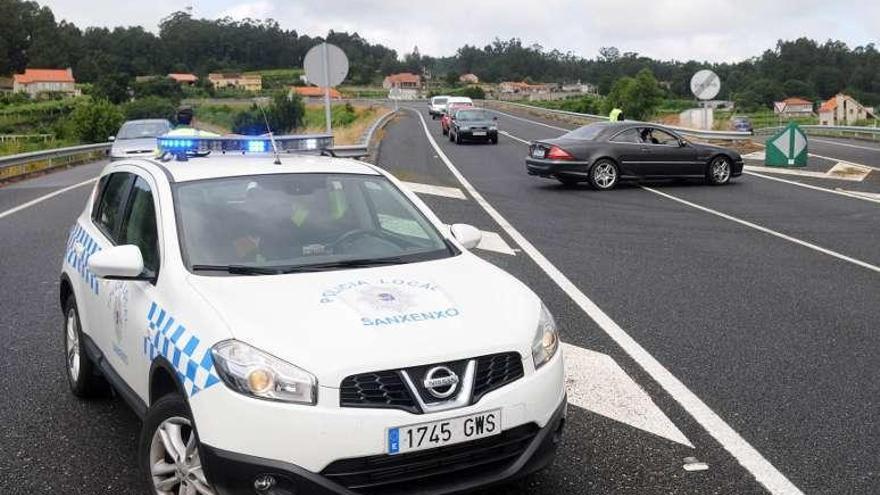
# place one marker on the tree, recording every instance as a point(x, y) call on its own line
point(798, 88)
point(638, 97)
point(150, 107)
point(93, 121)
point(286, 112)
point(112, 87)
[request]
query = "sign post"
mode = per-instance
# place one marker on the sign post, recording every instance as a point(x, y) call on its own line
point(705, 85)
point(787, 148)
point(327, 66)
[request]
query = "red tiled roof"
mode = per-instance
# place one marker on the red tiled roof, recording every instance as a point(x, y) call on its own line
point(404, 77)
point(829, 105)
point(796, 101)
point(44, 75)
point(314, 91)
point(183, 77)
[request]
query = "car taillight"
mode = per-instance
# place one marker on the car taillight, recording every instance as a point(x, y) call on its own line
point(557, 153)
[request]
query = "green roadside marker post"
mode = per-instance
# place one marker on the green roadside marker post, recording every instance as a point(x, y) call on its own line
point(787, 148)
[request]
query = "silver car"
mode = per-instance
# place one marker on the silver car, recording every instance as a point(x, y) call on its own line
point(138, 138)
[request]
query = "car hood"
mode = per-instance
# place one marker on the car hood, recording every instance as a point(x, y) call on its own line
point(134, 146)
point(335, 324)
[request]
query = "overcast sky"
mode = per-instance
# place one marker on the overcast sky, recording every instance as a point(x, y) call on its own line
point(713, 30)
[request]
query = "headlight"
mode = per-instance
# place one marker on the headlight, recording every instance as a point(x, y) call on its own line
point(254, 373)
point(546, 338)
point(463, 128)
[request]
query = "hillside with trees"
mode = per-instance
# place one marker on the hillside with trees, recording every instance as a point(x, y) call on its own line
point(31, 36)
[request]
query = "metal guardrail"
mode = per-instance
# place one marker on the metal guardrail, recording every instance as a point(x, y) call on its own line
point(872, 133)
point(36, 161)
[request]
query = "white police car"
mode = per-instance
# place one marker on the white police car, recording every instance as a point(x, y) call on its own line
point(307, 326)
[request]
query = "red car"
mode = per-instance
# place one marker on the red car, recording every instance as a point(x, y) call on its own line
point(451, 107)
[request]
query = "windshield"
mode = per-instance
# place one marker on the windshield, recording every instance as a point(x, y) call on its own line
point(439, 101)
point(140, 130)
point(588, 132)
point(473, 115)
point(292, 221)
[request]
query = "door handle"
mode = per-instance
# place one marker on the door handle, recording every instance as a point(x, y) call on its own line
point(79, 248)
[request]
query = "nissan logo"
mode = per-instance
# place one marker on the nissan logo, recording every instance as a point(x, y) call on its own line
point(441, 382)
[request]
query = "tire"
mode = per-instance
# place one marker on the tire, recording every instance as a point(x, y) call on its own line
point(494, 140)
point(568, 181)
point(82, 376)
point(172, 415)
point(445, 131)
point(604, 175)
point(451, 137)
point(457, 138)
point(718, 171)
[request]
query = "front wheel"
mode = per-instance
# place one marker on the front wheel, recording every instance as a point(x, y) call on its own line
point(719, 171)
point(169, 449)
point(82, 376)
point(604, 175)
point(457, 138)
point(494, 140)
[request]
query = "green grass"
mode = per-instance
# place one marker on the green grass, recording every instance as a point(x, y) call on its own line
point(15, 147)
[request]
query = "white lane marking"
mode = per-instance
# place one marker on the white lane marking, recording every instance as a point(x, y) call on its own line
point(598, 384)
point(528, 120)
point(45, 197)
point(859, 194)
point(492, 241)
point(811, 173)
point(752, 460)
point(848, 145)
point(774, 233)
point(839, 192)
point(446, 192)
point(511, 136)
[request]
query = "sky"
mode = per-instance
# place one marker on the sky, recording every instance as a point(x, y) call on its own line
point(704, 30)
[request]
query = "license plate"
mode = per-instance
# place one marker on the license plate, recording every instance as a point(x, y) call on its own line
point(445, 432)
point(479, 133)
point(538, 152)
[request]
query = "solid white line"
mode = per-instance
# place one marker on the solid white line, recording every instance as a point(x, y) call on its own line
point(839, 192)
point(755, 226)
point(739, 448)
point(511, 136)
point(859, 194)
point(45, 197)
point(528, 120)
point(835, 143)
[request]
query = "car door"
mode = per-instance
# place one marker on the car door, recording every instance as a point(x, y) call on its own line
point(665, 154)
point(95, 234)
point(131, 301)
point(630, 151)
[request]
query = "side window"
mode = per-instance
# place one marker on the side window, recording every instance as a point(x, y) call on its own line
point(391, 213)
point(109, 210)
point(627, 136)
point(139, 227)
point(657, 136)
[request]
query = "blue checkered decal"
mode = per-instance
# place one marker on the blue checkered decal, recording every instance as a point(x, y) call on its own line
point(190, 357)
point(81, 263)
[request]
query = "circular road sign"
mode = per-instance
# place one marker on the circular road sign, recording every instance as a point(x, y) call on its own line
point(326, 65)
point(705, 84)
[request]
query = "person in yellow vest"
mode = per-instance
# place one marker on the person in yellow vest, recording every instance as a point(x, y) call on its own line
point(184, 125)
point(616, 115)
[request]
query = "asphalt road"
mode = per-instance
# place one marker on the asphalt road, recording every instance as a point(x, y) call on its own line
point(777, 338)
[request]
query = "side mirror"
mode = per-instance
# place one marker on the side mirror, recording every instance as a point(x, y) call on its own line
point(111, 138)
point(118, 263)
point(468, 235)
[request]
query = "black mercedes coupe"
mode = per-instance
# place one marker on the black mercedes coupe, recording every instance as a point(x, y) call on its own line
point(607, 152)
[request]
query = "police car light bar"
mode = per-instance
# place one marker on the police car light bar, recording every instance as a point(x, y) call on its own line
point(194, 146)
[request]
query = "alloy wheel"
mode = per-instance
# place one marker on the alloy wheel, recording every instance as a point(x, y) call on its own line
point(720, 170)
point(175, 467)
point(72, 341)
point(605, 175)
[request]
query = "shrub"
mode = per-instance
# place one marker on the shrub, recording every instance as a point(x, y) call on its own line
point(150, 107)
point(94, 121)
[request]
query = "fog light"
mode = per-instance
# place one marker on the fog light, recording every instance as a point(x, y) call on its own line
point(260, 380)
point(264, 483)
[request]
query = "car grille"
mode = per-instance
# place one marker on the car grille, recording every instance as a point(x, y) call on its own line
point(432, 469)
point(382, 389)
point(496, 371)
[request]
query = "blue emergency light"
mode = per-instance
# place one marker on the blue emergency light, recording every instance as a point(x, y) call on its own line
point(244, 145)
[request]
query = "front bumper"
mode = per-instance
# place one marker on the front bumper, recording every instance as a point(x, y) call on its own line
point(487, 134)
point(557, 168)
point(456, 468)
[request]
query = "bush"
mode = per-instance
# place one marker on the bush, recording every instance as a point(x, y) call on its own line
point(150, 107)
point(250, 122)
point(94, 121)
point(286, 112)
point(473, 92)
point(162, 87)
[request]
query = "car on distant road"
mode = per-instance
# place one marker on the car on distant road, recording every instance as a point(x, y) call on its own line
point(741, 123)
point(605, 153)
point(437, 106)
point(137, 138)
point(302, 324)
point(473, 124)
point(452, 104)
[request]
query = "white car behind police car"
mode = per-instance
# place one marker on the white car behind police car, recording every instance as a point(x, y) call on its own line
point(303, 327)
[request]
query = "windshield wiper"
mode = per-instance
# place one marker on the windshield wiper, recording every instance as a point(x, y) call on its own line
point(240, 269)
point(337, 265)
